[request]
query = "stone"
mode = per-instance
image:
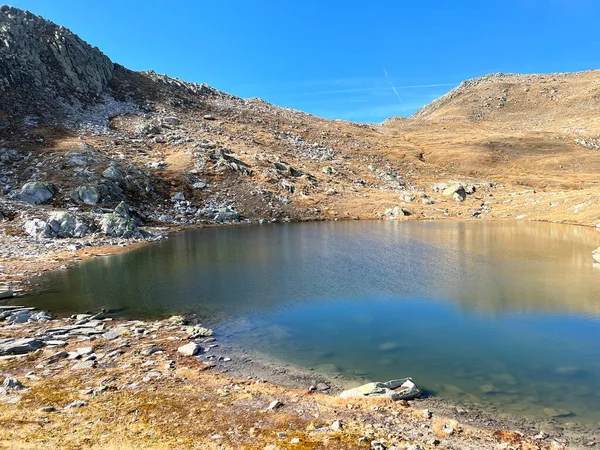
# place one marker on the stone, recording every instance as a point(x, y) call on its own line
point(84, 351)
point(20, 346)
point(112, 173)
point(76, 404)
point(396, 212)
point(11, 384)
point(87, 194)
point(456, 191)
point(114, 333)
point(56, 357)
point(323, 387)
point(178, 197)
point(189, 349)
point(199, 185)
point(198, 332)
point(119, 223)
point(47, 409)
point(172, 121)
point(209, 117)
point(275, 404)
point(36, 192)
point(401, 389)
point(336, 426)
point(6, 294)
point(226, 214)
point(83, 365)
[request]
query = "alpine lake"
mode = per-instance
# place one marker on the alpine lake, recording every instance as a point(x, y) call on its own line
point(503, 314)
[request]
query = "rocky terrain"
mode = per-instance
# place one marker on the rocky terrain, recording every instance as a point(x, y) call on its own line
point(91, 381)
point(93, 154)
point(95, 158)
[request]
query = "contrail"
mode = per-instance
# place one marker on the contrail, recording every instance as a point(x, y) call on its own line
point(395, 91)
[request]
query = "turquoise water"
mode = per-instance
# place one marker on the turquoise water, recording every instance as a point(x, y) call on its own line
point(494, 313)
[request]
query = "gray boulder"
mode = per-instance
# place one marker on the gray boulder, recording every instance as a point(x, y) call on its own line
point(62, 224)
point(36, 192)
point(119, 223)
point(397, 211)
point(226, 214)
point(79, 159)
point(112, 173)
point(20, 346)
point(402, 389)
point(86, 194)
point(456, 191)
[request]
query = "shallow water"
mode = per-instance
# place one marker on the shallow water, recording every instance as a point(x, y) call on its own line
point(497, 313)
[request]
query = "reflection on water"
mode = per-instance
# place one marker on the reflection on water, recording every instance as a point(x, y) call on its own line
point(505, 313)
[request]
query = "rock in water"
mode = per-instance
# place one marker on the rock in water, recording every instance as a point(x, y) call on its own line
point(402, 389)
point(36, 192)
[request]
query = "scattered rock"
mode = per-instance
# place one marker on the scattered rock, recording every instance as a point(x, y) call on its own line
point(76, 404)
point(87, 194)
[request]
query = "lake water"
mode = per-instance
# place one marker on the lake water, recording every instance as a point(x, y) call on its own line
point(496, 313)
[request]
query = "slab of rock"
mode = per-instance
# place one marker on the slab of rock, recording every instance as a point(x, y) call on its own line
point(190, 349)
point(402, 389)
point(114, 333)
point(20, 346)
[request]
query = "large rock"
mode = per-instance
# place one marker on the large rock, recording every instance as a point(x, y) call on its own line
point(397, 211)
point(20, 346)
point(456, 191)
point(226, 214)
point(119, 223)
point(86, 194)
point(36, 192)
point(112, 173)
point(402, 389)
point(62, 224)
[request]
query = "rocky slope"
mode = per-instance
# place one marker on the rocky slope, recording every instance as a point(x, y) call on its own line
point(94, 154)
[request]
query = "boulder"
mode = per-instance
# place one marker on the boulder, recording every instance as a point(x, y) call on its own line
point(112, 173)
point(87, 194)
point(397, 211)
point(36, 192)
point(178, 197)
point(190, 349)
point(402, 389)
point(60, 224)
point(65, 224)
point(456, 191)
point(20, 346)
point(119, 223)
point(226, 214)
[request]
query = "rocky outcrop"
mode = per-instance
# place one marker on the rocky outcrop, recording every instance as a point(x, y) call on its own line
point(42, 65)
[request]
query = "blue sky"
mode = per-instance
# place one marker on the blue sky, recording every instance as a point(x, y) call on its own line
point(329, 58)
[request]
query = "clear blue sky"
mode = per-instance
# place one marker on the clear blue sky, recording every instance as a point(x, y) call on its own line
point(328, 57)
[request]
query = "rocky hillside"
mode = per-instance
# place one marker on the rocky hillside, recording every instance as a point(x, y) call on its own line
point(92, 153)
